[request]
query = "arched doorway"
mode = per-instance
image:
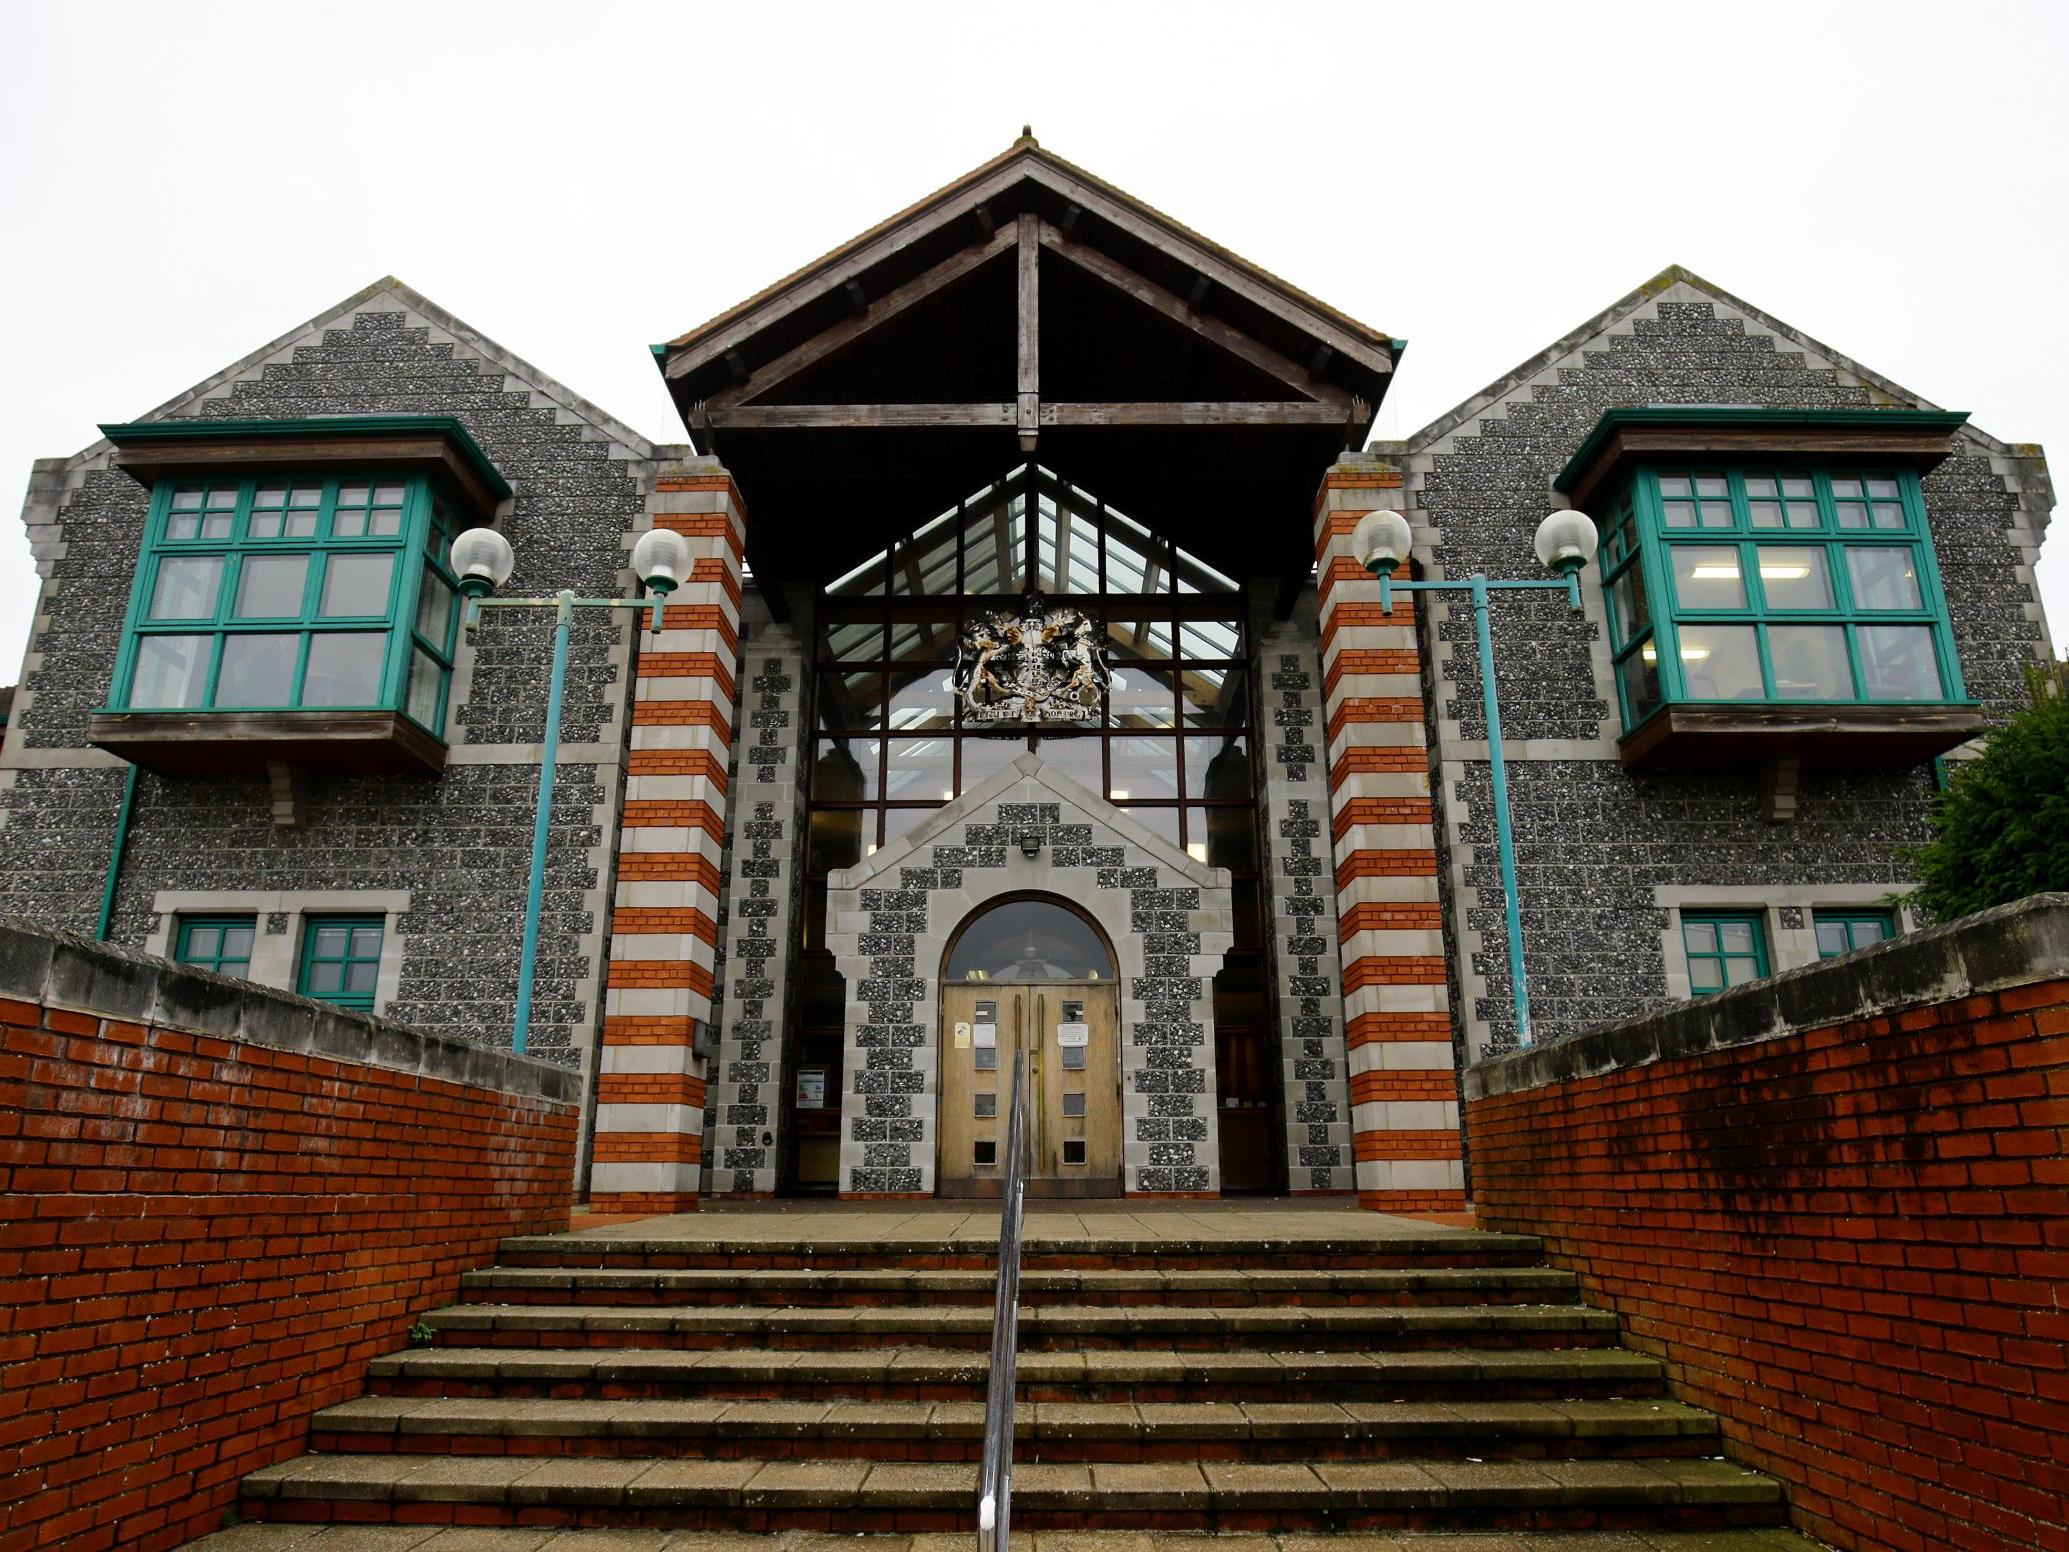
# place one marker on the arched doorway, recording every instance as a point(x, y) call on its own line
point(1030, 974)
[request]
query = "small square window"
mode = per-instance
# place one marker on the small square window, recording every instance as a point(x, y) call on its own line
point(1074, 1150)
point(1074, 1104)
point(985, 1154)
point(1841, 932)
point(986, 1058)
point(218, 943)
point(341, 959)
point(987, 1106)
point(1073, 1058)
point(1724, 948)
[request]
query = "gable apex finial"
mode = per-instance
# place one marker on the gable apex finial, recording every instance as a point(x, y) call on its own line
point(1026, 138)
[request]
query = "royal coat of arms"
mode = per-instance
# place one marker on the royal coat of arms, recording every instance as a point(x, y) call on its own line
point(1041, 664)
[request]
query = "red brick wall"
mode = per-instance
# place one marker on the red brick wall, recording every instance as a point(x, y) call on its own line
point(1851, 1242)
point(202, 1241)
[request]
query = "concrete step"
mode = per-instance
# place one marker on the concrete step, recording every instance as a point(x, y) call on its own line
point(260, 1536)
point(1436, 1248)
point(946, 1374)
point(1047, 1431)
point(896, 1287)
point(1051, 1327)
point(852, 1495)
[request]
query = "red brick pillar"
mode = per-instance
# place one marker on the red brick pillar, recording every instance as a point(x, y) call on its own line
point(1397, 1002)
point(648, 1143)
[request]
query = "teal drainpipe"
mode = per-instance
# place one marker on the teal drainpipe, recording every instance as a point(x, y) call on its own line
point(122, 814)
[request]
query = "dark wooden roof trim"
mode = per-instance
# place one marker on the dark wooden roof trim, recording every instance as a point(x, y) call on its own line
point(975, 192)
point(1626, 437)
point(436, 445)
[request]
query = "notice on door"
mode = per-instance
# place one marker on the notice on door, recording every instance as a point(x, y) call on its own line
point(962, 1035)
point(1069, 1035)
point(811, 1088)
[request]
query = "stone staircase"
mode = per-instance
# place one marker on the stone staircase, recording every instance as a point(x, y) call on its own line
point(1422, 1380)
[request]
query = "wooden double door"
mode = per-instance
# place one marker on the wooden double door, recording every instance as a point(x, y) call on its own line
point(1070, 1032)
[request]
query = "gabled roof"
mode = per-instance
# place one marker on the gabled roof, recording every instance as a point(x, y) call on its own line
point(1026, 177)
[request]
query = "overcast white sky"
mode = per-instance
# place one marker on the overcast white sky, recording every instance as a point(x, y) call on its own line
point(180, 183)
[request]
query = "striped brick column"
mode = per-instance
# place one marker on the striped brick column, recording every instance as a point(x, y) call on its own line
point(664, 932)
point(1397, 1003)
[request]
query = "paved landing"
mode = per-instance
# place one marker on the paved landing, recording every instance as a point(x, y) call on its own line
point(790, 1222)
point(400, 1538)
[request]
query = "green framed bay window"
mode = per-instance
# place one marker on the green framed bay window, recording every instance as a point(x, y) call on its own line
point(1843, 931)
point(272, 594)
point(1724, 948)
point(293, 607)
point(341, 959)
point(218, 943)
point(1774, 585)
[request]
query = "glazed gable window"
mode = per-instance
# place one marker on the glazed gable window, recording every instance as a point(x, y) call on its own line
point(272, 594)
point(1776, 586)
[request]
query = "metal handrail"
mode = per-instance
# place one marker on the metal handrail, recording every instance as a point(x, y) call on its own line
point(995, 1479)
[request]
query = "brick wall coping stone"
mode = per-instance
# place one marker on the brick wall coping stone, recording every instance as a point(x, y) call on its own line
point(2012, 945)
point(62, 970)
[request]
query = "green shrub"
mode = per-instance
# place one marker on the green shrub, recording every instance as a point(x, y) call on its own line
point(2001, 827)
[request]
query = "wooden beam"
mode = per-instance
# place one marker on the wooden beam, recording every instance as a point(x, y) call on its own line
point(1212, 412)
point(1374, 357)
point(1027, 236)
point(769, 417)
point(884, 308)
point(1179, 311)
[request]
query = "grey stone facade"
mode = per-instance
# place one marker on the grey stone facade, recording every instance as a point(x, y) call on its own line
point(743, 1139)
point(1595, 842)
point(1306, 962)
point(459, 843)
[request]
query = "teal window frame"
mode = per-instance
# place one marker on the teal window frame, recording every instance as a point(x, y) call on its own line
point(193, 947)
point(312, 959)
point(1716, 956)
point(418, 621)
point(1851, 923)
point(1646, 617)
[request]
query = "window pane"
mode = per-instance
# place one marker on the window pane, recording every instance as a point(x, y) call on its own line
point(356, 585)
point(922, 699)
point(237, 943)
point(1141, 697)
point(845, 770)
point(360, 975)
point(1794, 578)
point(1810, 662)
point(186, 588)
point(1214, 697)
point(985, 757)
point(1721, 662)
point(330, 941)
point(435, 610)
point(1897, 663)
point(1217, 767)
point(1735, 937)
point(920, 768)
point(202, 942)
point(344, 668)
point(1700, 936)
point(170, 671)
point(258, 670)
point(1884, 578)
point(1633, 614)
point(837, 837)
point(1640, 676)
point(1209, 638)
point(325, 977)
point(1222, 837)
point(1832, 939)
point(426, 684)
point(853, 700)
point(269, 587)
point(1707, 577)
point(1077, 758)
point(1145, 768)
